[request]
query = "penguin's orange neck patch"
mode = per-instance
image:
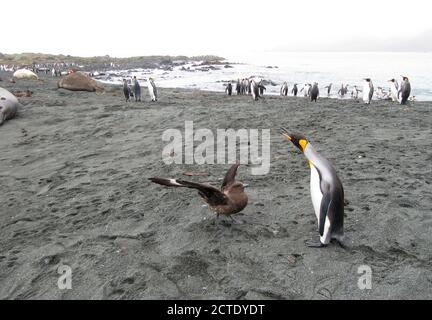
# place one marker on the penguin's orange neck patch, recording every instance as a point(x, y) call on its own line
point(303, 143)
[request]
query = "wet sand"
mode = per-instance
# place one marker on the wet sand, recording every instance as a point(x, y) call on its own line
point(74, 191)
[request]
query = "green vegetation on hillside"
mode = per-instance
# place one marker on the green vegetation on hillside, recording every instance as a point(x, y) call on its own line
point(42, 58)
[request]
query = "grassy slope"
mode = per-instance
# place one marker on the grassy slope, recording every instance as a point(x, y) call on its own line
point(30, 58)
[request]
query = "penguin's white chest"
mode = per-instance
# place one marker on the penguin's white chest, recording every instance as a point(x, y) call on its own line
point(394, 92)
point(366, 91)
point(315, 189)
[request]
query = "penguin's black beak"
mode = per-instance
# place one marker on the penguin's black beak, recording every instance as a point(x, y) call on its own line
point(286, 134)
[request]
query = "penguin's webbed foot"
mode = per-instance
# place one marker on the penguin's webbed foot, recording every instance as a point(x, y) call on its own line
point(341, 244)
point(315, 244)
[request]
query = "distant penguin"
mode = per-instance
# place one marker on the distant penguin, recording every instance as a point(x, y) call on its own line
point(306, 88)
point(228, 89)
point(294, 90)
point(137, 90)
point(245, 84)
point(381, 94)
point(343, 90)
point(284, 89)
point(368, 90)
point(261, 88)
point(405, 90)
point(394, 90)
point(355, 92)
point(238, 87)
point(329, 87)
point(126, 90)
point(314, 93)
point(254, 90)
point(248, 86)
point(152, 89)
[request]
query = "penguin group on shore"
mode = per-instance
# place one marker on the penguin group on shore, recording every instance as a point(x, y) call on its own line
point(249, 86)
point(132, 89)
point(397, 92)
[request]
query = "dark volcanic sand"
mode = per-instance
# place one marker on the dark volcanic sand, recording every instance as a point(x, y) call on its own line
point(74, 191)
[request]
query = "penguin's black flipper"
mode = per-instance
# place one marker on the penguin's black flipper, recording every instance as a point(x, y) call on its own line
point(324, 210)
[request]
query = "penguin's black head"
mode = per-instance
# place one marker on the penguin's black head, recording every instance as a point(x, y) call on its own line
point(298, 139)
point(404, 78)
point(367, 79)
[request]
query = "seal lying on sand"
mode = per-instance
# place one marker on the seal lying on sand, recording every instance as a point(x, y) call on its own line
point(78, 81)
point(24, 74)
point(8, 105)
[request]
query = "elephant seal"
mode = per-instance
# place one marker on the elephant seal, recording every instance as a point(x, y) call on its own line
point(24, 74)
point(78, 81)
point(8, 105)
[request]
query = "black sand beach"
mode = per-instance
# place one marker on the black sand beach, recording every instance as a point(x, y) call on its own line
point(74, 191)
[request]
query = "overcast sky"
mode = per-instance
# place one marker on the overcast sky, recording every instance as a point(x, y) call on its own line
point(137, 27)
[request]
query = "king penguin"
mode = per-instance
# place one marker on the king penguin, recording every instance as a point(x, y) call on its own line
point(329, 87)
point(306, 88)
point(368, 91)
point(295, 90)
point(254, 90)
point(326, 191)
point(314, 93)
point(405, 90)
point(284, 89)
point(152, 89)
point(394, 90)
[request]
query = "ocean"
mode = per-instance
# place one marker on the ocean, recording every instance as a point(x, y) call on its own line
point(302, 67)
